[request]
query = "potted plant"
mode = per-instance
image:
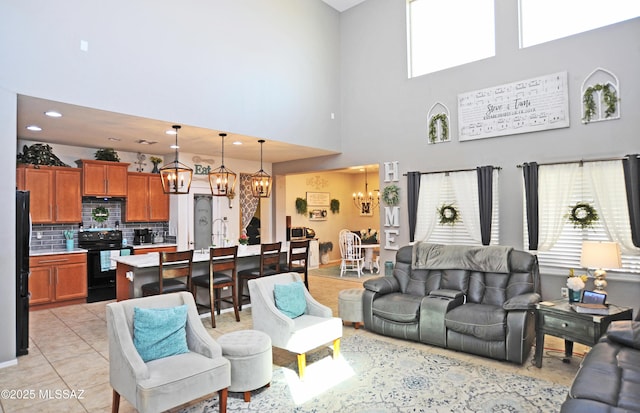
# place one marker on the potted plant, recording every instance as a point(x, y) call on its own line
point(155, 161)
point(107, 154)
point(325, 248)
point(301, 206)
point(335, 206)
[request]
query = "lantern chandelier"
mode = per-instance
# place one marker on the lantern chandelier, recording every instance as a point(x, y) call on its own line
point(261, 181)
point(222, 180)
point(176, 176)
point(366, 199)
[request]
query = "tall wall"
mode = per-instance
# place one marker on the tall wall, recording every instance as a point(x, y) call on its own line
point(384, 115)
point(254, 67)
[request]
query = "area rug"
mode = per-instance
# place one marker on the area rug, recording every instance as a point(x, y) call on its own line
point(333, 271)
point(375, 376)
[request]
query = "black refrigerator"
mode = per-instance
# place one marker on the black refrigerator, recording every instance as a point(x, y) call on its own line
point(23, 237)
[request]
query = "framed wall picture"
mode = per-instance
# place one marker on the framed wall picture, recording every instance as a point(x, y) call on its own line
point(318, 215)
point(366, 210)
point(318, 199)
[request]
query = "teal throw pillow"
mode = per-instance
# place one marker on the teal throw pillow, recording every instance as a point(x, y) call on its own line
point(160, 332)
point(290, 298)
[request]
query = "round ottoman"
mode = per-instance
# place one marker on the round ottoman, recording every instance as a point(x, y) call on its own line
point(350, 306)
point(249, 352)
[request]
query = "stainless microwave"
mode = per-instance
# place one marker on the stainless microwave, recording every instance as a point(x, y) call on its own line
point(301, 233)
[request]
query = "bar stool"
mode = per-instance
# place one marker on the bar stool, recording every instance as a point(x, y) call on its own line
point(269, 265)
point(220, 259)
point(298, 259)
point(173, 265)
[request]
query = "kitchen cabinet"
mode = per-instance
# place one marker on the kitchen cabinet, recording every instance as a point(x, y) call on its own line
point(104, 178)
point(57, 279)
point(147, 250)
point(146, 201)
point(55, 193)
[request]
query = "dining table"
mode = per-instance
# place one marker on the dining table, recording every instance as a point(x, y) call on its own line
point(369, 262)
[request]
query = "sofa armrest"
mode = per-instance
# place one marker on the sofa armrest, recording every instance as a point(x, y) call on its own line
point(522, 302)
point(382, 285)
point(625, 332)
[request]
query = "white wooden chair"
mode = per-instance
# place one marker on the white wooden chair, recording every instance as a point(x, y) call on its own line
point(351, 253)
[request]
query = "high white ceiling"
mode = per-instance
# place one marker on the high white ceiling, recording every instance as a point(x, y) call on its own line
point(342, 5)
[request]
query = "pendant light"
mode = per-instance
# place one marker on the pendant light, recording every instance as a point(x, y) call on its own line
point(366, 201)
point(261, 181)
point(176, 176)
point(222, 181)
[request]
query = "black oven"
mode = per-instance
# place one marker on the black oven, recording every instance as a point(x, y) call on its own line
point(101, 246)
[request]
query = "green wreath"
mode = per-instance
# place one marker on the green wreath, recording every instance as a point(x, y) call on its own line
point(583, 215)
point(433, 130)
point(448, 214)
point(100, 214)
point(610, 99)
point(391, 195)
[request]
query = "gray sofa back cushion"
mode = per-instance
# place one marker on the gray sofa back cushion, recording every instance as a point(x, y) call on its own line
point(479, 287)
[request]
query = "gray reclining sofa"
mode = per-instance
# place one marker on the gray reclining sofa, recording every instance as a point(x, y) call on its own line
point(475, 299)
point(609, 376)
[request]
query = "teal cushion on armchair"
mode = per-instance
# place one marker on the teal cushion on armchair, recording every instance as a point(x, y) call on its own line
point(290, 299)
point(160, 332)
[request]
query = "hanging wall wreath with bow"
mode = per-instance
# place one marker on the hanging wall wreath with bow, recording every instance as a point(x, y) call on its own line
point(391, 195)
point(448, 214)
point(583, 215)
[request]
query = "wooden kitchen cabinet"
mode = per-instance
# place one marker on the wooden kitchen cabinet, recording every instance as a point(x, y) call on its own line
point(55, 193)
point(57, 279)
point(146, 201)
point(104, 178)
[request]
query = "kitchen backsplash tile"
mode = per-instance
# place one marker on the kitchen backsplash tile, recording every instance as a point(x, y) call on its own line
point(52, 235)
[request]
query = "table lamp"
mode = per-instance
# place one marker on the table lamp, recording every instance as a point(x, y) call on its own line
point(599, 255)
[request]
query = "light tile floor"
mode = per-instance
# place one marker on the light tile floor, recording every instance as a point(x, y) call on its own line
point(67, 368)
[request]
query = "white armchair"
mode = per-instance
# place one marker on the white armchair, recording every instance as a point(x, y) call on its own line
point(167, 382)
point(315, 327)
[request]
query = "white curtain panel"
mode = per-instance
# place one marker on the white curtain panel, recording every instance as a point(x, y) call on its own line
point(555, 183)
point(465, 188)
point(428, 202)
point(607, 181)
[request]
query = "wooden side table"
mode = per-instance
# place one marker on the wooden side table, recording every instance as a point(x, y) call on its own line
point(558, 319)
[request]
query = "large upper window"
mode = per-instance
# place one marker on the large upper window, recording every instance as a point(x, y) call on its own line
point(545, 20)
point(443, 34)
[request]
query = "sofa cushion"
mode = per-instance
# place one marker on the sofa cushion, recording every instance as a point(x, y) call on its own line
point(625, 332)
point(609, 374)
point(402, 308)
point(290, 299)
point(486, 322)
point(160, 332)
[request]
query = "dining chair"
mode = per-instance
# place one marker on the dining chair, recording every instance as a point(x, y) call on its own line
point(298, 259)
point(220, 259)
point(269, 265)
point(173, 266)
point(350, 252)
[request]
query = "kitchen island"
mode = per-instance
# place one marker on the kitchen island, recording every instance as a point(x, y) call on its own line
point(133, 271)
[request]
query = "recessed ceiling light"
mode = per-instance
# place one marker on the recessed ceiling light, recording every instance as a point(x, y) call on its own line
point(34, 128)
point(174, 147)
point(115, 139)
point(170, 132)
point(53, 114)
point(237, 143)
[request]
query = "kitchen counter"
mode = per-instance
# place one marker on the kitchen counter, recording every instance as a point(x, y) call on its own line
point(133, 271)
point(37, 253)
point(158, 245)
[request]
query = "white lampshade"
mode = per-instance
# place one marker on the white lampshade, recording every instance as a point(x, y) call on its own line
point(596, 254)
